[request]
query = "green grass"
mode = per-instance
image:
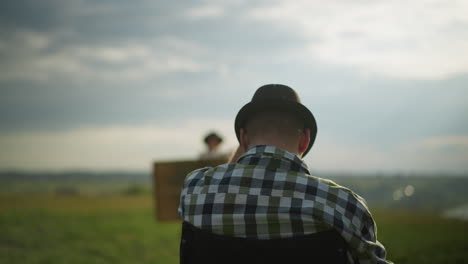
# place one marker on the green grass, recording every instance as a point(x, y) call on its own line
point(418, 237)
point(119, 229)
point(122, 229)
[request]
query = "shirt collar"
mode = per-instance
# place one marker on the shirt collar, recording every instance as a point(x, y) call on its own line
point(272, 152)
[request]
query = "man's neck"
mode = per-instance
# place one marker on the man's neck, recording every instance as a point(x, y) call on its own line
point(278, 144)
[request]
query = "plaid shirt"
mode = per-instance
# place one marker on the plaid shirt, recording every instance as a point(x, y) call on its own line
point(269, 193)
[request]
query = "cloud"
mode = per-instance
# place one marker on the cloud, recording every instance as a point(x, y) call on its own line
point(449, 153)
point(423, 39)
point(448, 150)
point(109, 147)
point(434, 143)
point(400, 39)
point(204, 12)
point(99, 73)
point(326, 155)
point(431, 154)
point(126, 147)
point(42, 56)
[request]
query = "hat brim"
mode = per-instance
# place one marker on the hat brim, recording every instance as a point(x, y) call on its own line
point(219, 139)
point(296, 108)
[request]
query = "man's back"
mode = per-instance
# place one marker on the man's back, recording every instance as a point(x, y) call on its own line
point(268, 194)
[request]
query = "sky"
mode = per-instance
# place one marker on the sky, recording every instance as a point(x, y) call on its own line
point(117, 85)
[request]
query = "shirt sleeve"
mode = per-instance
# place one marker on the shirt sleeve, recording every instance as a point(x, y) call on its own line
point(191, 183)
point(360, 231)
point(179, 210)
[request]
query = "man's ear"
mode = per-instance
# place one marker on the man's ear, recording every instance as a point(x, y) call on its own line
point(304, 141)
point(244, 139)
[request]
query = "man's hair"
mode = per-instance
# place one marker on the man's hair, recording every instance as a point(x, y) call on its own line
point(274, 123)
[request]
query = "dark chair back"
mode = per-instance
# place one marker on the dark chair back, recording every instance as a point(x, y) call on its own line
point(201, 246)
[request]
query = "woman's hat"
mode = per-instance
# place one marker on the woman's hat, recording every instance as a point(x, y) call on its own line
point(280, 98)
point(213, 135)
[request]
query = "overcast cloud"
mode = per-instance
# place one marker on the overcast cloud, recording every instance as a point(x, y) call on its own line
point(118, 84)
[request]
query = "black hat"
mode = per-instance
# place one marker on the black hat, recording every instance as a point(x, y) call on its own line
point(213, 135)
point(277, 97)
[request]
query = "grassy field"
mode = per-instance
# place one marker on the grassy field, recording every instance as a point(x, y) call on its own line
point(122, 229)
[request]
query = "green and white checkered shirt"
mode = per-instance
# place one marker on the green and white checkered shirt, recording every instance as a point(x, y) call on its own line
point(269, 193)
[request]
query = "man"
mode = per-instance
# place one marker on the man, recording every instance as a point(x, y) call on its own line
point(266, 191)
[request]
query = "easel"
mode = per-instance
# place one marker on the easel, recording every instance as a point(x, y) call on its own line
point(168, 178)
